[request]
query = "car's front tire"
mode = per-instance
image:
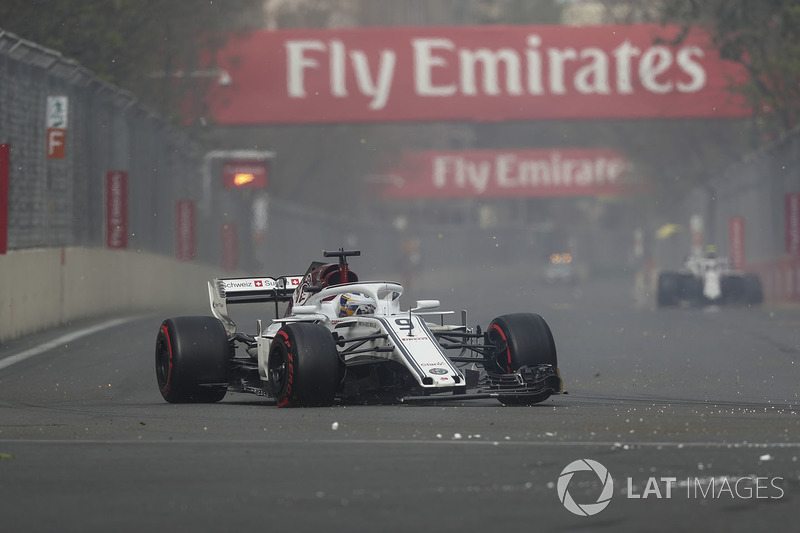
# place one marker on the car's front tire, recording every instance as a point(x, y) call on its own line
point(192, 359)
point(523, 340)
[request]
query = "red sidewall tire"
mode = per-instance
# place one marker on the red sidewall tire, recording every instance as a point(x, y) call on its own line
point(192, 359)
point(303, 366)
point(527, 339)
point(523, 339)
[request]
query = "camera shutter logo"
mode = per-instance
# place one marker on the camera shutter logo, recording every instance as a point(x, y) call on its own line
point(587, 509)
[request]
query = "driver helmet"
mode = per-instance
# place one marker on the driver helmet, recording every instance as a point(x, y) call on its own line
point(355, 303)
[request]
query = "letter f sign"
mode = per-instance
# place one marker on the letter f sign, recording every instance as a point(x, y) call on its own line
point(56, 143)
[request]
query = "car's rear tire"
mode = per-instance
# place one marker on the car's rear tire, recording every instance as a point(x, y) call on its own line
point(690, 289)
point(676, 287)
point(733, 289)
point(192, 359)
point(742, 289)
point(523, 339)
point(303, 366)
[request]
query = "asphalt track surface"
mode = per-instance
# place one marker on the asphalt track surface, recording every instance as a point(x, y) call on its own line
point(702, 403)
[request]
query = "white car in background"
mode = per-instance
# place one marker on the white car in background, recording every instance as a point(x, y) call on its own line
point(708, 279)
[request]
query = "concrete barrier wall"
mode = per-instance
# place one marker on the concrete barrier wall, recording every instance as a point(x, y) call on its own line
point(780, 279)
point(42, 288)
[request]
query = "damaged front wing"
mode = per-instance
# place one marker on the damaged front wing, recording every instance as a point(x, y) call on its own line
point(528, 382)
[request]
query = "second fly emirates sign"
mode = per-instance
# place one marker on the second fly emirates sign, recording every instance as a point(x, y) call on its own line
point(480, 73)
point(508, 173)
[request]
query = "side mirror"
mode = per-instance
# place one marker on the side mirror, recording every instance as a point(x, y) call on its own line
point(422, 305)
point(304, 310)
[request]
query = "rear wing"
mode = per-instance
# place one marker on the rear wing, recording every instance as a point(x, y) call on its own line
point(224, 291)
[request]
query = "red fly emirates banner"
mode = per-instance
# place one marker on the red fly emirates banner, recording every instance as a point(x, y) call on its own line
point(484, 73)
point(507, 174)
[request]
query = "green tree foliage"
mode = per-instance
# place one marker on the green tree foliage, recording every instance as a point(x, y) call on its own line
point(341, 13)
point(764, 37)
point(521, 12)
point(150, 47)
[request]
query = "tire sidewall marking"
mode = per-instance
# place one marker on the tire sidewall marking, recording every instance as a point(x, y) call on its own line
point(168, 382)
point(499, 330)
point(287, 388)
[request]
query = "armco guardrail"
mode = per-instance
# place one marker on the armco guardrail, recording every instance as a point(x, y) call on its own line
point(46, 287)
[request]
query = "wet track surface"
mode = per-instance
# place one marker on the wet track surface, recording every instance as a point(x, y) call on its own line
point(702, 403)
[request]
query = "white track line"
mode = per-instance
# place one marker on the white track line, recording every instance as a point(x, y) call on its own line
point(631, 446)
point(65, 339)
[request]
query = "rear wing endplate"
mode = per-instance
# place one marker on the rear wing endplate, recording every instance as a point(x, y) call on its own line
point(224, 291)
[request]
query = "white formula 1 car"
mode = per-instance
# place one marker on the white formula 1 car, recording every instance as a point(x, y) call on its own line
point(708, 279)
point(349, 341)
